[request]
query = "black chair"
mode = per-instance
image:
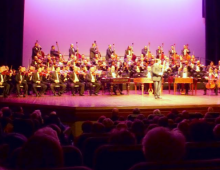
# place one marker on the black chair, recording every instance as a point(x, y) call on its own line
point(89, 147)
point(72, 156)
point(181, 165)
point(202, 150)
point(82, 138)
point(110, 157)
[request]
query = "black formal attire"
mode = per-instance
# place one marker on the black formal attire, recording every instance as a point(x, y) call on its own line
point(55, 76)
point(10, 79)
point(137, 73)
point(3, 80)
point(35, 50)
point(90, 83)
point(109, 52)
point(144, 52)
point(73, 51)
point(186, 86)
point(158, 53)
point(171, 53)
point(37, 77)
point(54, 53)
point(93, 52)
point(75, 79)
point(23, 78)
point(115, 86)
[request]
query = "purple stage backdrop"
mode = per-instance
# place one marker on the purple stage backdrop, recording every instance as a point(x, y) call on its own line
point(121, 22)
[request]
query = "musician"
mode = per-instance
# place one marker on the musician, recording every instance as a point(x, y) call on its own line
point(138, 70)
point(53, 52)
point(210, 79)
point(3, 82)
point(172, 51)
point(76, 79)
point(185, 74)
point(72, 50)
point(112, 73)
point(21, 80)
point(109, 52)
point(56, 79)
point(92, 81)
point(142, 60)
point(35, 50)
point(211, 65)
point(157, 78)
point(159, 52)
point(124, 70)
point(185, 51)
point(144, 51)
point(29, 79)
point(10, 79)
point(93, 51)
point(37, 81)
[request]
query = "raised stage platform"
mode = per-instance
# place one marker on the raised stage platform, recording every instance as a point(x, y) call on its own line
point(72, 108)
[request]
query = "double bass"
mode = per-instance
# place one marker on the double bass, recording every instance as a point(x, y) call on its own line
point(211, 81)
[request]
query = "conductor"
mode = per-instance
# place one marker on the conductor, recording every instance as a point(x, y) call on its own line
point(157, 74)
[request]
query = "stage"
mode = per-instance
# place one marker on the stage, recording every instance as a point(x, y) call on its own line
point(90, 107)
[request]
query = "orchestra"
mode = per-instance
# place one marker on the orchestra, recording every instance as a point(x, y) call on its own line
point(55, 73)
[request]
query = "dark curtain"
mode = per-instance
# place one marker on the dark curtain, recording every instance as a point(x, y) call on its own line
point(11, 32)
point(212, 17)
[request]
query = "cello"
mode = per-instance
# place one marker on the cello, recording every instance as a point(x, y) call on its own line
point(211, 81)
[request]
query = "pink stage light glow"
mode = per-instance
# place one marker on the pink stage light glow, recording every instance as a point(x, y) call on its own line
point(121, 22)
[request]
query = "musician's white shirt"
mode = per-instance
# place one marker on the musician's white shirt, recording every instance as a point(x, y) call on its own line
point(76, 78)
point(149, 75)
point(113, 75)
point(93, 78)
point(184, 75)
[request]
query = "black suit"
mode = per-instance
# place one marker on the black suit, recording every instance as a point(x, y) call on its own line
point(35, 50)
point(80, 83)
point(72, 51)
point(55, 76)
point(90, 83)
point(54, 53)
point(23, 79)
point(3, 79)
point(109, 52)
point(37, 77)
point(93, 52)
point(158, 53)
point(144, 52)
point(205, 81)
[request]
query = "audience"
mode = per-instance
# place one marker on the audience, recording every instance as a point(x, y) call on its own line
point(34, 140)
point(161, 144)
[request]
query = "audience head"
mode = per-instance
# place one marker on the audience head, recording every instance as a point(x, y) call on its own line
point(200, 130)
point(216, 131)
point(163, 121)
point(101, 118)
point(161, 144)
point(87, 127)
point(156, 112)
point(136, 111)
point(6, 112)
point(210, 109)
point(41, 151)
point(122, 137)
point(115, 113)
point(98, 128)
point(108, 123)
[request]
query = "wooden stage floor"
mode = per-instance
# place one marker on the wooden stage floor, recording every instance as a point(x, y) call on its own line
point(90, 107)
point(133, 100)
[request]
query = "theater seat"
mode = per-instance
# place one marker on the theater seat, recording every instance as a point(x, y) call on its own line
point(81, 139)
point(68, 168)
point(181, 165)
point(202, 150)
point(72, 156)
point(110, 157)
point(89, 147)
